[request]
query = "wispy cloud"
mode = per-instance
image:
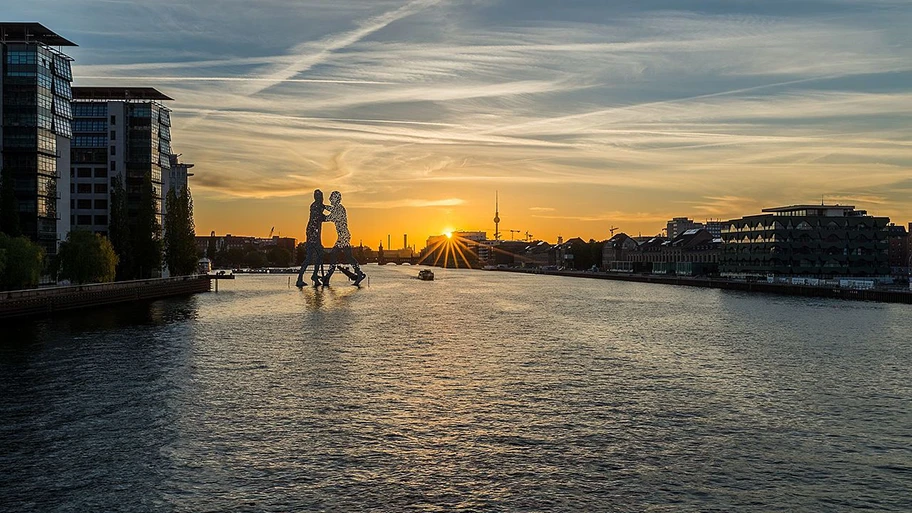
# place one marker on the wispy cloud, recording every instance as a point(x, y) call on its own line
point(309, 54)
point(603, 112)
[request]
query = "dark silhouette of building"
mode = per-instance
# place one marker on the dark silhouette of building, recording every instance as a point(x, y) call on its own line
point(899, 250)
point(693, 252)
point(806, 240)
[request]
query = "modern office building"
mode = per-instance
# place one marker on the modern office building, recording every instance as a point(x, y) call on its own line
point(36, 115)
point(178, 175)
point(679, 225)
point(123, 132)
point(806, 240)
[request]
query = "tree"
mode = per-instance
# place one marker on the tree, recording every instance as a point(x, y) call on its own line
point(119, 230)
point(24, 262)
point(300, 253)
point(235, 257)
point(180, 235)
point(255, 259)
point(279, 257)
point(147, 243)
point(9, 209)
point(86, 257)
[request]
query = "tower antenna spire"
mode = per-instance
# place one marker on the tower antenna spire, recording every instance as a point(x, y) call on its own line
point(496, 216)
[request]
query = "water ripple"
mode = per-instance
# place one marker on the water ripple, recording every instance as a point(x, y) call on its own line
point(475, 392)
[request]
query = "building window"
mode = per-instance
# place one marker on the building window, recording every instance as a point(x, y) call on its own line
point(101, 172)
point(101, 188)
point(84, 172)
point(84, 220)
point(113, 150)
point(113, 165)
point(113, 134)
point(113, 119)
point(84, 204)
point(101, 204)
point(101, 219)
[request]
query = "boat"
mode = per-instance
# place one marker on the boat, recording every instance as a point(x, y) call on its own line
point(426, 275)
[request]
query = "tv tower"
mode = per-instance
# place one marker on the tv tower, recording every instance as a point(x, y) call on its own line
point(496, 218)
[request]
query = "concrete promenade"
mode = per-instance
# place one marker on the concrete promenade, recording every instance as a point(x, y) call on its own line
point(46, 301)
point(885, 296)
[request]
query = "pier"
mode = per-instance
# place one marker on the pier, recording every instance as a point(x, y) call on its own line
point(46, 301)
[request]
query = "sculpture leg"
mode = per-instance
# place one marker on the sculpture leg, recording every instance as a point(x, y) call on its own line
point(300, 283)
point(334, 258)
point(351, 260)
point(318, 263)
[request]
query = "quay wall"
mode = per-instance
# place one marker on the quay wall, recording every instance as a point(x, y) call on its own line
point(46, 301)
point(885, 296)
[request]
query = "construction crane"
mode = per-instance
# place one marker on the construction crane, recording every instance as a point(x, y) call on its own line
point(271, 231)
point(528, 237)
point(612, 230)
point(514, 231)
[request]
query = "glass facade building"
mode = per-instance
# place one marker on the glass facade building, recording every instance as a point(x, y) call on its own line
point(37, 119)
point(123, 132)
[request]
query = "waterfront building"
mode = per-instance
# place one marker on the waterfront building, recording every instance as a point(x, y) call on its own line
point(533, 254)
point(714, 227)
point(36, 115)
point(177, 177)
point(693, 252)
point(898, 250)
point(617, 251)
point(120, 132)
point(679, 225)
point(806, 240)
point(228, 242)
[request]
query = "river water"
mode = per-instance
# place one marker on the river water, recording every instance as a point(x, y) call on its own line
point(480, 391)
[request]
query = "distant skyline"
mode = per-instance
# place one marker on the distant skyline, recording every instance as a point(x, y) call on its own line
point(583, 114)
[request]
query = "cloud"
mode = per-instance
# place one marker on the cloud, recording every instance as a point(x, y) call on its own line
point(309, 54)
point(412, 203)
point(656, 112)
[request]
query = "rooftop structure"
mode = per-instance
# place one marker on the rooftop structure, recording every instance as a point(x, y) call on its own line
point(31, 32)
point(816, 210)
point(119, 93)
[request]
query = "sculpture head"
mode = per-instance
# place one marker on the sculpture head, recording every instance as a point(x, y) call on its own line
point(335, 197)
point(318, 195)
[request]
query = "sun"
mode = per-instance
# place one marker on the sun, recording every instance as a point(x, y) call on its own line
point(449, 235)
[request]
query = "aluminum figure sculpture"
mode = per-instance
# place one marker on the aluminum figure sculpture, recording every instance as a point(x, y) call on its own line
point(313, 245)
point(342, 247)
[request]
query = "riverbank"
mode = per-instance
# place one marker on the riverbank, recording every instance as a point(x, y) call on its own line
point(884, 296)
point(46, 301)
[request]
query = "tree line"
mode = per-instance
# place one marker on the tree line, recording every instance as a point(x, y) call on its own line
point(136, 247)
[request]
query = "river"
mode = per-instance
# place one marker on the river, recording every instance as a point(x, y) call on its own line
point(480, 391)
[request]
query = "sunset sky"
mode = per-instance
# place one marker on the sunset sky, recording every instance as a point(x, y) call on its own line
point(583, 114)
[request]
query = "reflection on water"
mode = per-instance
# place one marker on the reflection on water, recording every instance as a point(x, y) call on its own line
point(477, 391)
